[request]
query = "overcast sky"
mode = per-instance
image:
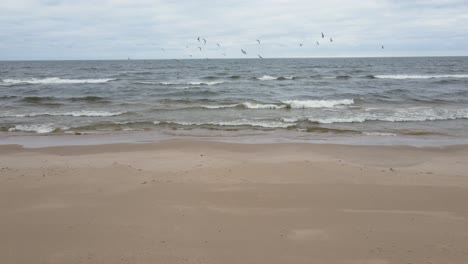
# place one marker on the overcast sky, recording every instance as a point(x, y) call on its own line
point(140, 29)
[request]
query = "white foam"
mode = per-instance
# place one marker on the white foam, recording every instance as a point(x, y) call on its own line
point(289, 119)
point(253, 123)
point(219, 106)
point(251, 105)
point(267, 78)
point(401, 115)
point(379, 134)
point(74, 114)
point(318, 103)
point(332, 120)
point(40, 129)
point(54, 80)
point(404, 76)
point(187, 83)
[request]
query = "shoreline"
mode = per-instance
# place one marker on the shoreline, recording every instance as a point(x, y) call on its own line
point(252, 137)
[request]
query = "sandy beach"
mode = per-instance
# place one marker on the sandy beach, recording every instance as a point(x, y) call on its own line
point(197, 202)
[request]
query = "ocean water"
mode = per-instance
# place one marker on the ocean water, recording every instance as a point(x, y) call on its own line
point(293, 97)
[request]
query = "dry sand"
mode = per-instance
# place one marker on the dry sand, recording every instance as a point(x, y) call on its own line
point(198, 202)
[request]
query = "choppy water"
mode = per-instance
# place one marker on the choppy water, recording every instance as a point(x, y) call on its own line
point(371, 96)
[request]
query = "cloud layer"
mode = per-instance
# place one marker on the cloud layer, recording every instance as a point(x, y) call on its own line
point(117, 29)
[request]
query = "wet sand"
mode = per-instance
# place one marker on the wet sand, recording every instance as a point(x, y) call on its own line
point(197, 202)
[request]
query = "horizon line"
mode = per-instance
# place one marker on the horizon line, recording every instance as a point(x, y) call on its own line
point(240, 58)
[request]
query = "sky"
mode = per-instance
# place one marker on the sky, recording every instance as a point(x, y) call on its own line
point(160, 29)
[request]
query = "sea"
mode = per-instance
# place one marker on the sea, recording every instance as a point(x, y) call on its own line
point(306, 98)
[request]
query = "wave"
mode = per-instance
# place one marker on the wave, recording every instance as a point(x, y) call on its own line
point(234, 123)
point(169, 83)
point(251, 105)
point(73, 114)
point(87, 99)
point(270, 78)
point(407, 115)
point(290, 104)
point(8, 97)
point(379, 134)
point(40, 129)
point(404, 76)
point(318, 103)
point(54, 80)
point(36, 99)
point(343, 77)
point(219, 106)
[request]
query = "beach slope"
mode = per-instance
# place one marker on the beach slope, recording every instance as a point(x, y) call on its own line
point(198, 202)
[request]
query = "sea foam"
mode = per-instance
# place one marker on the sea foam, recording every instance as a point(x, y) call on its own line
point(404, 76)
point(54, 80)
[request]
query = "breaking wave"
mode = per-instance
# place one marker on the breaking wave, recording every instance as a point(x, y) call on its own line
point(54, 80)
point(73, 114)
point(404, 76)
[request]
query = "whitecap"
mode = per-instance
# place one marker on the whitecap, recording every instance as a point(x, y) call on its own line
point(252, 123)
point(252, 105)
point(318, 103)
point(40, 129)
point(219, 106)
point(187, 83)
point(74, 114)
point(404, 76)
point(267, 78)
point(379, 134)
point(54, 80)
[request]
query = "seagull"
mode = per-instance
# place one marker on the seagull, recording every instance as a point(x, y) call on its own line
point(300, 44)
point(199, 48)
point(331, 40)
point(383, 47)
point(224, 54)
point(219, 46)
point(318, 43)
point(243, 51)
point(204, 41)
point(258, 42)
point(323, 36)
point(198, 39)
point(260, 56)
point(190, 55)
point(163, 49)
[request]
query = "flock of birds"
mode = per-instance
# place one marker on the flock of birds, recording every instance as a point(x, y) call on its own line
point(200, 39)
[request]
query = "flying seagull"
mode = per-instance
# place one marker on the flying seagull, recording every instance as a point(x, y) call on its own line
point(199, 48)
point(383, 47)
point(204, 41)
point(224, 54)
point(198, 39)
point(243, 51)
point(318, 43)
point(190, 55)
point(300, 44)
point(331, 40)
point(258, 42)
point(163, 49)
point(260, 56)
point(219, 46)
point(323, 36)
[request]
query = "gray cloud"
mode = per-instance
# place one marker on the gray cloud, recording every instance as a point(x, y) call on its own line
point(114, 29)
